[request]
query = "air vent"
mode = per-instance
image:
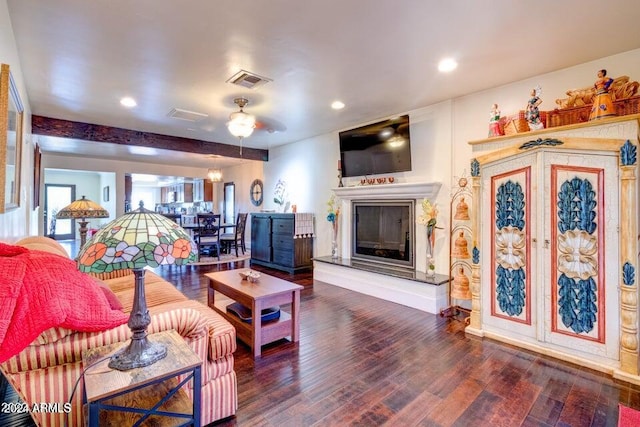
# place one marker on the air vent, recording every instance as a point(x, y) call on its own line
point(190, 116)
point(249, 80)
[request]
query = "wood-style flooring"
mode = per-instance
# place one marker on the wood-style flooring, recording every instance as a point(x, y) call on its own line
point(362, 361)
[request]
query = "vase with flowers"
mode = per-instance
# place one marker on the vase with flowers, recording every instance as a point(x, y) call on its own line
point(332, 216)
point(429, 218)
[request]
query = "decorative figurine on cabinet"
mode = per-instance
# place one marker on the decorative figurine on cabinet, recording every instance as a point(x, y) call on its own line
point(494, 122)
point(602, 102)
point(532, 112)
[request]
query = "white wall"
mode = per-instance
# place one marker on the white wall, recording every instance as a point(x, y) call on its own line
point(17, 223)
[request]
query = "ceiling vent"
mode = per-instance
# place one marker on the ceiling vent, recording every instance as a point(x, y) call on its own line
point(190, 116)
point(249, 80)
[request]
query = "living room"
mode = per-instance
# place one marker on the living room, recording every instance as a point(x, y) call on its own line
point(440, 149)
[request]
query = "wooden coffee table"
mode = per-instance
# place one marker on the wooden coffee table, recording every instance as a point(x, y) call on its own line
point(269, 291)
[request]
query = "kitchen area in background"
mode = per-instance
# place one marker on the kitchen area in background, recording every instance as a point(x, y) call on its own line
point(176, 197)
point(170, 190)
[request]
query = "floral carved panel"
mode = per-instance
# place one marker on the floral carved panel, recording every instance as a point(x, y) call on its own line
point(511, 267)
point(577, 252)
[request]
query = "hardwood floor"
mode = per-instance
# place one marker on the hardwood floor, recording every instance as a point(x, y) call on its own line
point(365, 362)
point(362, 361)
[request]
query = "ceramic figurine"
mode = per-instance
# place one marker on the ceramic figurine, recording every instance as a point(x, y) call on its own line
point(602, 103)
point(494, 122)
point(532, 113)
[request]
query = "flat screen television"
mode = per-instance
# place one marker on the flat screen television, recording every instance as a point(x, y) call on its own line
point(377, 148)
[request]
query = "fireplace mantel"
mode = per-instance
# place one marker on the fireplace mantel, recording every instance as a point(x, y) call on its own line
point(404, 190)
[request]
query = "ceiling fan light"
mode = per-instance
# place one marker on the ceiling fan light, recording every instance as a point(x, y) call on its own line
point(241, 124)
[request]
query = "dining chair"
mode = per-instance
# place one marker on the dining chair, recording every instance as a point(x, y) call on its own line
point(208, 234)
point(177, 218)
point(236, 239)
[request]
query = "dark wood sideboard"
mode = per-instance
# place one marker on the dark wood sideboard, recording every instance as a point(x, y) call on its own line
point(273, 244)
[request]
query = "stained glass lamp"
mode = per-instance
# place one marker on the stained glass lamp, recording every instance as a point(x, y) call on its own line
point(81, 210)
point(138, 239)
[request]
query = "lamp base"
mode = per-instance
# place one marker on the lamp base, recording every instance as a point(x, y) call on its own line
point(139, 353)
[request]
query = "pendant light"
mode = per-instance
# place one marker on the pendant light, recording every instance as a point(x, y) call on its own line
point(215, 173)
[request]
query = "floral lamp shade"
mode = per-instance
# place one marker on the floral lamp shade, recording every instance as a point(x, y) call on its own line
point(135, 240)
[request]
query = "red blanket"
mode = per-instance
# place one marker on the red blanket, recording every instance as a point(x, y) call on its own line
point(40, 290)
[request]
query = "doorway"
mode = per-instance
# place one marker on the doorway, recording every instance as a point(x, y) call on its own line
point(56, 197)
point(229, 202)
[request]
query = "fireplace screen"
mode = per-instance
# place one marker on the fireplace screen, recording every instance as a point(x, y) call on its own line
point(383, 232)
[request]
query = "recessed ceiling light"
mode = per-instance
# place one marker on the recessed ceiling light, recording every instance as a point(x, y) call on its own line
point(447, 65)
point(337, 105)
point(128, 102)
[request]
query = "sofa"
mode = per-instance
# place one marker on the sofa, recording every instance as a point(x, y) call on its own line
point(48, 368)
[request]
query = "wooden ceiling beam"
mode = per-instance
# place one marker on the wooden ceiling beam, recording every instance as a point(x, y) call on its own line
point(48, 126)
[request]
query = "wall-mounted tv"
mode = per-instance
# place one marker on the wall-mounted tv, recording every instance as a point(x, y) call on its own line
point(378, 148)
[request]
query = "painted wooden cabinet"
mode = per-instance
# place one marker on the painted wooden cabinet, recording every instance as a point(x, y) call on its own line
point(555, 244)
point(551, 231)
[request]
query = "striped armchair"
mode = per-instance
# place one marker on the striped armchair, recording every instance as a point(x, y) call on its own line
point(47, 370)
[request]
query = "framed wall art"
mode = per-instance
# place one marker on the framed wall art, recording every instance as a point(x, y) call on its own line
point(11, 118)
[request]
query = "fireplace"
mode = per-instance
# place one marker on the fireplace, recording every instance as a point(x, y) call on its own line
point(399, 274)
point(383, 232)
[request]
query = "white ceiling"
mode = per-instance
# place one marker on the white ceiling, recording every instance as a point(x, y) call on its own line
point(379, 57)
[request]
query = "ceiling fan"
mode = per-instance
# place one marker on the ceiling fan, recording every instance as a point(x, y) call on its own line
point(242, 124)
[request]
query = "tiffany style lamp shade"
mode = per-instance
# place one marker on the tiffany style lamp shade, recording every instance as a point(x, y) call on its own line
point(81, 210)
point(138, 239)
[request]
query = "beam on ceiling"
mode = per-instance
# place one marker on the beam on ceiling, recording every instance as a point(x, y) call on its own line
point(48, 126)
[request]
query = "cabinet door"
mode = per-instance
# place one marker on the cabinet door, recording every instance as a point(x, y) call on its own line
point(207, 191)
point(197, 190)
point(187, 192)
point(509, 279)
point(581, 240)
point(261, 238)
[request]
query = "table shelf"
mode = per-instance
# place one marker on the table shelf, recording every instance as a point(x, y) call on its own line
point(272, 330)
